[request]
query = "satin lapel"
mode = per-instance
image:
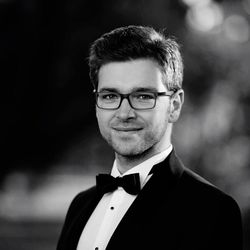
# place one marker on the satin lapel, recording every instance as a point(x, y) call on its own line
point(156, 191)
point(81, 214)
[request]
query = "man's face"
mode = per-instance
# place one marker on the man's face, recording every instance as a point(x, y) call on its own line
point(128, 131)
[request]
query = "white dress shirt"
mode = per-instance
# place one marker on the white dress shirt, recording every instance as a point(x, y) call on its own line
point(113, 205)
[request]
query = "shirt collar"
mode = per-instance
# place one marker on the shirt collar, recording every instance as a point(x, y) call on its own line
point(143, 168)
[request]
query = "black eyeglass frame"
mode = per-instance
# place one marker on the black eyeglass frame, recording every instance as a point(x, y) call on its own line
point(126, 96)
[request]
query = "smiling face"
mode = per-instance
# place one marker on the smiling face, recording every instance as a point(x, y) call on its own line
point(132, 132)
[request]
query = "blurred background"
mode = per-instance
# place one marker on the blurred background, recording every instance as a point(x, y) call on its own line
point(51, 148)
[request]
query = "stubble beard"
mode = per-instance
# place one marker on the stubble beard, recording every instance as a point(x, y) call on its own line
point(133, 149)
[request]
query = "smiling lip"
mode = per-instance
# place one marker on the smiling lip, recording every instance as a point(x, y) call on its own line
point(126, 129)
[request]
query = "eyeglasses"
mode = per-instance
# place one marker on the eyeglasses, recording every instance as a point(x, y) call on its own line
point(138, 100)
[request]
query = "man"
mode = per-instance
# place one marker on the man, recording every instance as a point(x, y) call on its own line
point(150, 200)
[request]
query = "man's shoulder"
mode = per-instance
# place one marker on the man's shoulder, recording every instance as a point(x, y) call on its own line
point(192, 179)
point(193, 184)
point(85, 194)
point(200, 190)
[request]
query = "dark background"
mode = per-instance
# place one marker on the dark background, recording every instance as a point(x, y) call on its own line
point(51, 148)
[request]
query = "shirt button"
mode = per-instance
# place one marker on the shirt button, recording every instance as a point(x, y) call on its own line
point(112, 208)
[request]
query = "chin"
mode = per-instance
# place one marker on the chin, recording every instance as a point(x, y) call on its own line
point(124, 151)
point(128, 149)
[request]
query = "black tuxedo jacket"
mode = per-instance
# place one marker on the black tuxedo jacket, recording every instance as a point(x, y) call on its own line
point(176, 210)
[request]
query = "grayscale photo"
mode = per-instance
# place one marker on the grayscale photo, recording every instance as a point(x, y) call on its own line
point(125, 125)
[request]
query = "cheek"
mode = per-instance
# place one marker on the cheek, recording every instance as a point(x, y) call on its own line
point(100, 118)
point(158, 122)
point(160, 115)
point(163, 111)
point(103, 119)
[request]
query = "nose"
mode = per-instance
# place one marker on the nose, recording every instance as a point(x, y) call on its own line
point(125, 111)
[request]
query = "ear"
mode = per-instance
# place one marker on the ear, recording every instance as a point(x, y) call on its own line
point(176, 103)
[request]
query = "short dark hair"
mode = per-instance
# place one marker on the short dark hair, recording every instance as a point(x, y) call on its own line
point(138, 42)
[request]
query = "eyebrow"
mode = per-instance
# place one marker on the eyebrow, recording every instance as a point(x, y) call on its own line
point(108, 90)
point(145, 89)
point(136, 89)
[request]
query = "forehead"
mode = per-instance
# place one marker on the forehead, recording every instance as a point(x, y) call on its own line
point(128, 75)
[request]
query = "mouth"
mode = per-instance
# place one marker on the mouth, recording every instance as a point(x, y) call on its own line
point(127, 129)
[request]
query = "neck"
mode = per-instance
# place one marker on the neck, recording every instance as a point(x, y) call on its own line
point(124, 163)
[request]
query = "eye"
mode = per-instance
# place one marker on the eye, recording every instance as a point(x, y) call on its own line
point(108, 96)
point(143, 96)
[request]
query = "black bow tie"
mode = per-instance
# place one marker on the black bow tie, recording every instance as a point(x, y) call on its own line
point(106, 183)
